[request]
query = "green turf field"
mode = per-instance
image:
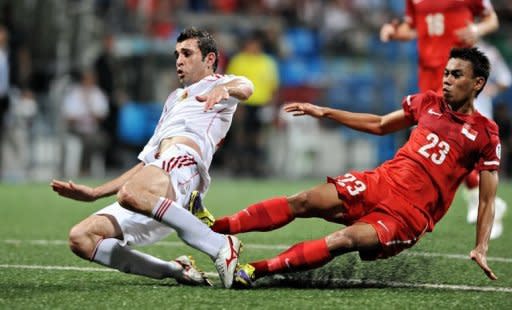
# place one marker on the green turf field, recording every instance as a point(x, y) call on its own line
point(38, 271)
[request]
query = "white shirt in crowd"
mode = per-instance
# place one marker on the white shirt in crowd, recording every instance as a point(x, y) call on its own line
point(499, 76)
point(85, 106)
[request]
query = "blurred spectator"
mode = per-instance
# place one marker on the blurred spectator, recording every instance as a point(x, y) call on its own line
point(337, 20)
point(162, 24)
point(17, 147)
point(261, 69)
point(503, 118)
point(105, 74)
point(85, 107)
point(4, 85)
point(500, 79)
point(224, 6)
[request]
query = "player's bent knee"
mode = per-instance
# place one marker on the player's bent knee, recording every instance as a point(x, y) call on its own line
point(80, 242)
point(341, 242)
point(127, 198)
point(299, 203)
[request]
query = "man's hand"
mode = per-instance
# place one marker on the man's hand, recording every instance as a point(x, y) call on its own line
point(214, 96)
point(468, 35)
point(303, 108)
point(480, 258)
point(388, 30)
point(73, 191)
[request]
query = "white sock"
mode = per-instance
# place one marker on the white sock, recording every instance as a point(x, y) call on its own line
point(109, 252)
point(188, 227)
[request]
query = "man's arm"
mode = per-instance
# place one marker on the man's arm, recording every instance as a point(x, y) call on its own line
point(488, 186)
point(397, 31)
point(370, 123)
point(85, 193)
point(240, 88)
point(470, 34)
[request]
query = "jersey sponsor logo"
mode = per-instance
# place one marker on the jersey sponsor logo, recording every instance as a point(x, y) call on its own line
point(184, 95)
point(468, 132)
point(431, 111)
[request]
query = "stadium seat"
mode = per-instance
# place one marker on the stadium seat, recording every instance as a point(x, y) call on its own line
point(301, 42)
point(137, 121)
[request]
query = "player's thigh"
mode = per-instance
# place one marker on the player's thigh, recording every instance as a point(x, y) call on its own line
point(320, 201)
point(133, 228)
point(96, 227)
point(151, 179)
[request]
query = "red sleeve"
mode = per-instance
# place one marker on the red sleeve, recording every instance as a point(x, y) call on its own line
point(491, 151)
point(409, 14)
point(412, 106)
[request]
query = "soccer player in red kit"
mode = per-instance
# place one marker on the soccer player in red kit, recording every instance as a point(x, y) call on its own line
point(388, 209)
point(438, 26)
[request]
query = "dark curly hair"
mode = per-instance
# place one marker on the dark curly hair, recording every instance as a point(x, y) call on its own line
point(205, 42)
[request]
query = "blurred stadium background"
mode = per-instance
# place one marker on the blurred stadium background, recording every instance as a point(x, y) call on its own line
point(328, 52)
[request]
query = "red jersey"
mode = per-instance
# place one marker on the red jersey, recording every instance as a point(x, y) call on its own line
point(443, 148)
point(436, 21)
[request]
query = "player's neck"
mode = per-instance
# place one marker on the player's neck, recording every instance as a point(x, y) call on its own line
point(464, 108)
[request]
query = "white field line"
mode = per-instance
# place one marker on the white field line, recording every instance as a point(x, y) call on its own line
point(335, 280)
point(265, 247)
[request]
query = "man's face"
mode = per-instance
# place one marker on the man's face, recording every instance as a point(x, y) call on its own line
point(190, 65)
point(459, 85)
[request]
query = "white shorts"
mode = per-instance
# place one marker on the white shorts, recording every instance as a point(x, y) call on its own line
point(179, 162)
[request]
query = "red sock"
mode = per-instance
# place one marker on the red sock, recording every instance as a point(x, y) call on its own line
point(302, 256)
point(264, 216)
point(472, 179)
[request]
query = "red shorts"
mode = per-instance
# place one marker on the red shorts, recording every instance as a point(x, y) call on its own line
point(370, 199)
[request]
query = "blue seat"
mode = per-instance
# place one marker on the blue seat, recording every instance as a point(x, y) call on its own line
point(291, 72)
point(301, 41)
point(137, 121)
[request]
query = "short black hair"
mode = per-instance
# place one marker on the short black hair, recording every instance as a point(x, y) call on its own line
point(480, 62)
point(205, 42)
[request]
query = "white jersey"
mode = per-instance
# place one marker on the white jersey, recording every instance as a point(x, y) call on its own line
point(184, 116)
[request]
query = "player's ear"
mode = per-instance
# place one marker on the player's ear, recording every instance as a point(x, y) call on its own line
point(479, 83)
point(210, 59)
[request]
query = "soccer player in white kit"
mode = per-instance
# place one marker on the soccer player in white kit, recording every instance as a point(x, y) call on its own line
point(152, 196)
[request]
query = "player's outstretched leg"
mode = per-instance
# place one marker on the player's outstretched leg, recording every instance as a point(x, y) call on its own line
point(92, 239)
point(263, 216)
point(302, 256)
point(110, 253)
